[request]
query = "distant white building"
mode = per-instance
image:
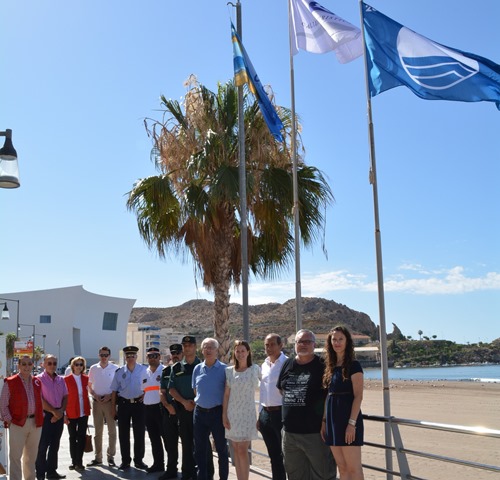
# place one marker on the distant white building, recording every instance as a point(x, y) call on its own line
point(69, 321)
point(145, 336)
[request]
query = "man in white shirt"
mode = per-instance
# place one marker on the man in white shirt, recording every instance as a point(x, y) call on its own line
point(100, 377)
point(151, 380)
point(270, 422)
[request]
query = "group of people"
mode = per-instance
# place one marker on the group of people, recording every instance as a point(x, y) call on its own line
point(309, 408)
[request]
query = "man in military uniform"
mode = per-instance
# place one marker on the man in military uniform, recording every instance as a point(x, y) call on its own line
point(128, 396)
point(180, 387)
point(169, 416)
point(151, 386)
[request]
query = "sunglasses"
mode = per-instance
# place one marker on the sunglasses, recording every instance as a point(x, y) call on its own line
point(153, 355)
point(78, 364)
point(29, 364)
point(104, 354)
point(131, 355)
point(52, 364)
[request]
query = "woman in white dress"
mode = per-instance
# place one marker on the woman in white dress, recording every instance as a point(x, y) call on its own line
point(238, 410)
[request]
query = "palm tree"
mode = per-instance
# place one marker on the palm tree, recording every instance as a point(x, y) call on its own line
point(192, 207)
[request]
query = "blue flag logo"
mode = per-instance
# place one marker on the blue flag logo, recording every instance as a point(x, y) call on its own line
point(399, 56)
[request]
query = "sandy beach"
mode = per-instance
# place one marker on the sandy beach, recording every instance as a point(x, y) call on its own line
point(469, 404)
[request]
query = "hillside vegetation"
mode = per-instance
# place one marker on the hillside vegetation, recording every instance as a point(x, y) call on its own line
point(441, 352)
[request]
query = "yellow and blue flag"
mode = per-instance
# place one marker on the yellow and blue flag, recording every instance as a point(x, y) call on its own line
point(399, 56)
point(245, 73)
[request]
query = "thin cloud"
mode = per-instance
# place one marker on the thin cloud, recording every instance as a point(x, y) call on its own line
point(415, 280)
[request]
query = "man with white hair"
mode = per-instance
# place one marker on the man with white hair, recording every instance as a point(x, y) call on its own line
point(208, 382)
point(301, 384)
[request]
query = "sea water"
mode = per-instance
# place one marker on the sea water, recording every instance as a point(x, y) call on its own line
point(471, 373)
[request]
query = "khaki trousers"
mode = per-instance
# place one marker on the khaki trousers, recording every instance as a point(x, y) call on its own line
point(101, 411)
point(23, 443)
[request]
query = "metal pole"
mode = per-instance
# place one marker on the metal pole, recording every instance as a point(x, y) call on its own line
point(243, 195)
point(380, 272)
point(296, 218)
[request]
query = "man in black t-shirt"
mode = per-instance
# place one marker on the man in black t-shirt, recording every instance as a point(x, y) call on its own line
point(300, 382)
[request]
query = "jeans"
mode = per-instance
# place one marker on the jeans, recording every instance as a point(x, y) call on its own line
point(270, 426)
point(48, 448)
point(206, 421)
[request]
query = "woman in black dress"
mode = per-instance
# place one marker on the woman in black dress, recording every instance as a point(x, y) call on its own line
point(342, 427)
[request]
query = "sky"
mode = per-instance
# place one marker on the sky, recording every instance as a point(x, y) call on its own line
point(79, 77)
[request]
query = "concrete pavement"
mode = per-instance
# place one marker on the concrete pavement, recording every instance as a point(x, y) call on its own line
point(104, 472)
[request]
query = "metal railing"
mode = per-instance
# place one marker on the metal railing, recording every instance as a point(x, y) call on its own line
point(402, 452)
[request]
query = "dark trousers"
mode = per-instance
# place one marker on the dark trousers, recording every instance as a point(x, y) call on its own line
point(270, 425)
point(171, 440)
point(204, 423)
point(77, 429)
point(187, 439)
point(153, 426)
point(135, 412)
point(48, 448)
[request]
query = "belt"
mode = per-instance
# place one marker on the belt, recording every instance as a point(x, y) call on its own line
point(272, 409)
point(31, 416)
point(339, 393)
point(130, 400)
point(208, 409)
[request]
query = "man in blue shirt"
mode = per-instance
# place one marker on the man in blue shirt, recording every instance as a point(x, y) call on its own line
point(128, 395)
point(208, 382)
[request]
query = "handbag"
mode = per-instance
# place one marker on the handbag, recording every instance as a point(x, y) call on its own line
point(88, 442)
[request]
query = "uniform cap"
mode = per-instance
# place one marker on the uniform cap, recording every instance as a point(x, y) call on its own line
point(188, 339)
point(130, 349)
point(175, 348)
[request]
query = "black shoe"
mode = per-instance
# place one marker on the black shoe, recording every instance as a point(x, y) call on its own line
point(71, 467)
point(79, 468)
point(111, 462)
point(155, 468)
point(170, 476)
point(55, 476)
point(124, 466)
point(94, 463)
point(140, 465)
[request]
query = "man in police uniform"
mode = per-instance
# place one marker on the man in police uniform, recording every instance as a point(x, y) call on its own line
point(169, 416)
point(151, 388)
point(128, 396)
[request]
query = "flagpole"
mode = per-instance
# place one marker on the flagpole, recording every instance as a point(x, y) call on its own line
point(298, 287)
point(378, 249)
point(243, 194)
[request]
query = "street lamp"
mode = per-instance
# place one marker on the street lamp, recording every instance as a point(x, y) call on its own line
point(9, 168)
point(6, 313)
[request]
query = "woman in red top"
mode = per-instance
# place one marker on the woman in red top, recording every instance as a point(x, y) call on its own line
point(77, 411)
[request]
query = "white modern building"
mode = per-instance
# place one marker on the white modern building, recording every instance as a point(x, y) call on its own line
point(68, 321)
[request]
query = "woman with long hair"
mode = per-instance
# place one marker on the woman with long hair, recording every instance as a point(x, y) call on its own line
point(238, 410)
point(77, 411)
point(342, 427)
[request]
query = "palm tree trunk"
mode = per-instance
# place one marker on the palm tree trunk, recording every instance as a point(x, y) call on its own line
point(222, 284)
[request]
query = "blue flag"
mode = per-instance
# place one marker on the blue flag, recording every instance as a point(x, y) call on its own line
point(245, 73)
point(398, 56)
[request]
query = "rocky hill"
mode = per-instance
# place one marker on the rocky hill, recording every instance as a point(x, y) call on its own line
point(195, 317)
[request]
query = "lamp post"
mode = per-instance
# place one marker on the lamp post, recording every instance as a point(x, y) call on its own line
point(6, 313)
point(9, 168)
